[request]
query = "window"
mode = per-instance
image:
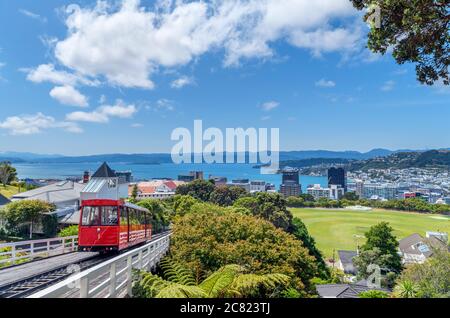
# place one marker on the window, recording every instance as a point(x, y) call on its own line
point(91, 216)
point(109, 215)
point(124, 216)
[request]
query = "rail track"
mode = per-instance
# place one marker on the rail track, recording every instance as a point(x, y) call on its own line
point(27, 286)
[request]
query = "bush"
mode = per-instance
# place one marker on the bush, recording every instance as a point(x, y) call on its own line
point(69, 231)
point(373, 294)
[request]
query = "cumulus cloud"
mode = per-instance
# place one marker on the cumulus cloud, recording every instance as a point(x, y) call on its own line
point(325, 83)
point(268, 106)
point(125, 44)
point(182, 82)
point(103, 113)
point(34, 124)
point(48, 73)
point(68, 95)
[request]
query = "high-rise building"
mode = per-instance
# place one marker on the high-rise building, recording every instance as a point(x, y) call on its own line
point(193, 175)
point(337, 176)
point(290, 182)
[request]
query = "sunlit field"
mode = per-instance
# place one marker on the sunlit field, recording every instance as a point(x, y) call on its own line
point(344, 229)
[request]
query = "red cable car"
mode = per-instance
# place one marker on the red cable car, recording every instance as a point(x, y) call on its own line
point(110, 225)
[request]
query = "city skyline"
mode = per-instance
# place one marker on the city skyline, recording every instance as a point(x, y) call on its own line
point(306, 72)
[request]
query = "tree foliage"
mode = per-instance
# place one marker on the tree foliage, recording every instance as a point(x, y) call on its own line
point(69, 231)
point(415, 31)
point(226, 196)
point(7, 173)
point(268, 206)
point(373, 294)
point(206, 241)
point(161, 215)
point(228, 281)
point(198, 189)
point(25, 211)
point(428, 280)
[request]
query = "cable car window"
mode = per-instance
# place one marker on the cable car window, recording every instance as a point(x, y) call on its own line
point(91, 216)
point(124, 216)
point(109, 215)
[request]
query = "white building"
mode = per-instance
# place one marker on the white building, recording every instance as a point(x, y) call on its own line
point(105, 184)
point(334, 192)
point(155, 189)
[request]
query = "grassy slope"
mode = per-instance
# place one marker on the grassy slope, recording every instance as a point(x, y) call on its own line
point(9, 191)
point(335, 229)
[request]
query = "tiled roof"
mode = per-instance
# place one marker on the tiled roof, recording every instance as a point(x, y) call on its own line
point(346, 258)
point(344, 290)
point(3, 200)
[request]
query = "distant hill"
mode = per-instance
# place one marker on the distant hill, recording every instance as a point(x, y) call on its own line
point(325, 154)
point(303, 163)
point(402, 160)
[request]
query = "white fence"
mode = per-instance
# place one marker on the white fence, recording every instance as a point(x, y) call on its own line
point(20, 252)
point(110, 279)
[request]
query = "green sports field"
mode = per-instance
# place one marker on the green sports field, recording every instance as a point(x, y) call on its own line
point(340, 229)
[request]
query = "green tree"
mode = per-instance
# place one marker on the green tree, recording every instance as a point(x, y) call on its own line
point(428, 280)
point(415, 32)
point(198, 189)
point(268, 206)
point(23, 212)
point(226, 196)
point(406, 289)
point(134, 192)
point(208, 240)
point(381, 236)
point(160, 214)
point(182, 204)
point(228, 281)
point(7, 173)
point(295, 202)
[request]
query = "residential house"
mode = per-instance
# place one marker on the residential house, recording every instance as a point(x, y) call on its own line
point(345, 262)
point(155, 189)
point(345, 290)
point(3, 200)
point(416, 249)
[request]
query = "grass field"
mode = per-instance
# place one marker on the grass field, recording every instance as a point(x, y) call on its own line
point(8, 191)
point(336, 229)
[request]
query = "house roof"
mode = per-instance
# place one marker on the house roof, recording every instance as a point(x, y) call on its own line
point(104, 172)
point(344, 290)
point(346, 258)
point(418, 245)
point(3, 200)
point(54, 193)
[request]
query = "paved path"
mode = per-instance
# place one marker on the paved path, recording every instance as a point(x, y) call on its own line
point(30, 269)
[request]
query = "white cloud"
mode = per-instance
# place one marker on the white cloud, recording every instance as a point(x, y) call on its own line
point(182, 82)
point(268, 106)
point(33, 15)
point(126, 44)
point(68, 95)
point(48, 73)
point(325, 83)
point(388, 86)
point(265, 118)
point(103, 113)
point(34, 124)
point(137, 125)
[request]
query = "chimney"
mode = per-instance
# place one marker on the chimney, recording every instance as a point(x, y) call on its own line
point(86, 177)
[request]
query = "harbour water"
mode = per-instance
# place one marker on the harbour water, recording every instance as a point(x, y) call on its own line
point(145, 172)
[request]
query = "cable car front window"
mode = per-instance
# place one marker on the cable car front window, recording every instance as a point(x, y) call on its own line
point(91, 216)
point(110, 216)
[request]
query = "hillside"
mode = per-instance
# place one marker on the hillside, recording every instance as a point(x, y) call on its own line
point(402, 160)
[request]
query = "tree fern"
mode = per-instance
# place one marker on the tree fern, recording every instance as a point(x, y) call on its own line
point(248, 284)
point(176, 272)
point(174, 290)
point(220, 281)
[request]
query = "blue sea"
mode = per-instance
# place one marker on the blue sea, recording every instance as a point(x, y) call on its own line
point(145, 172)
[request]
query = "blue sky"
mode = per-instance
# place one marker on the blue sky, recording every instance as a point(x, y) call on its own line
point(120, 76)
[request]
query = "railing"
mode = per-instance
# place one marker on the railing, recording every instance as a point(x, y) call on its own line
point(20, 252)
point(110, 279)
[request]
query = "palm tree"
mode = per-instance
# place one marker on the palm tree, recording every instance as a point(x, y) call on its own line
point(406, 289)
point(228, 281)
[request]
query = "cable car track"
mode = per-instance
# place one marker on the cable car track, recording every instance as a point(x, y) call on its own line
point(28, 286)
